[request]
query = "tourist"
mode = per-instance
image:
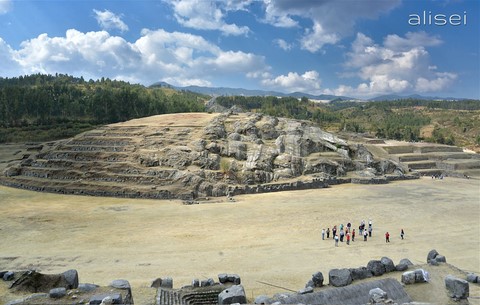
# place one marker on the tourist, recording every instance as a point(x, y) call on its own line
point(353, 235)
point(370, 231)
point(336, 240)
point(387, 237)
point(328, 233)
point(342, 234)
point(365, 234)
point(402, 233)
point(323, 234)
point(349, 225)
point(370, 223)
point(334, 231)
point(348, 238)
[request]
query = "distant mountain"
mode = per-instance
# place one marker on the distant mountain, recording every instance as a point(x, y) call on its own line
point(413, 96)
point(217, 91)
point(248, 92)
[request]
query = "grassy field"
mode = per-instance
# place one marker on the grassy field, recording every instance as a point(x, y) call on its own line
point(273, 238)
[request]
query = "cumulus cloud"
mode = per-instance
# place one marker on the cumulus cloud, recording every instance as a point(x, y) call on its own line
point(179, 58)
point(400, 65)
point(292, 82)
point(315, 38)
point(5, 6)
point(332, 19)
point(282, 44)
point(109, 21)
point(208, 15)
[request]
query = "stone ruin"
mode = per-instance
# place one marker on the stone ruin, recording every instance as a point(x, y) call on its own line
point(189, 156)
point(65, 288)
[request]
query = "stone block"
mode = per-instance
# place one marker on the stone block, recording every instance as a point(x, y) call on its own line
point(234, 294)
point(57, 293)
point(457, 288)
point(388, 263)
point(317, 279)
point(71, 276)
point(98, 298)
point(376, 267)
point(339, 277)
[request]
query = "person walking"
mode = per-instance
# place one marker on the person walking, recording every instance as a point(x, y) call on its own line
point(365, 234)
point(323, 234)
point(342, 234)
point(334, 231)
point(370, 231)
point(348, 238)
point(328, 233)
point(353, 235)
point(336, 240)
point(402, 233)
point(387, 237)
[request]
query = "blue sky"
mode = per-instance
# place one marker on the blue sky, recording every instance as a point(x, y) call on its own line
point(356, 48)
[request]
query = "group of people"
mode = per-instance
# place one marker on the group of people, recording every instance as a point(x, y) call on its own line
point(347, 233)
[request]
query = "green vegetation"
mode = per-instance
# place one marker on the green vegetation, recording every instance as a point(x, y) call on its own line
point(445, 122)
point(46, 107)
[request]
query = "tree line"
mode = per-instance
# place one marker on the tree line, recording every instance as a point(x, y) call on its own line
point(59, 102)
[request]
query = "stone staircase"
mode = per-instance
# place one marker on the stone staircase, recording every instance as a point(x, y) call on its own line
point(103, 162)
point(433, 159)
point(189, 296)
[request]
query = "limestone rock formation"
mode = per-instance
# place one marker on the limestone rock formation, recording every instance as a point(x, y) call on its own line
point(193, 155)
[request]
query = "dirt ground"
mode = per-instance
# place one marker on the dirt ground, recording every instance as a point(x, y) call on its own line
point(273, 238)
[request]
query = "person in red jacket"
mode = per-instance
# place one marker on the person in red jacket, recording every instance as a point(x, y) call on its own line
point(387, 237)
point(348, 238)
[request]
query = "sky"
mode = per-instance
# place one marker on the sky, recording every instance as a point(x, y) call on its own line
point(355, 48)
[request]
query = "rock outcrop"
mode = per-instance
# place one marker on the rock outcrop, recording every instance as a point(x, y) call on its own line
point(187, 156)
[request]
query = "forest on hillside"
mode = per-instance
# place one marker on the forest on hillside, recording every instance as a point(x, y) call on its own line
point(47, 107)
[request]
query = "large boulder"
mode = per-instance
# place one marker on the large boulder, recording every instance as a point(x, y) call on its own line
point(472, 278)
point(415, 276)
point(376, 267)
point(234, 294)
point(388, 263)
point(224, 278)
point(340, 277)
point(403, 264)
point(317, 279)
point(113, 298)
point(431, 255)
point(377, 295)
point(360, 273)
point(71, 276)
point(120, 284)
point(457, 288)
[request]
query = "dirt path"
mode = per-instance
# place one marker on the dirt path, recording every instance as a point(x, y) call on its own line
point(273, 238)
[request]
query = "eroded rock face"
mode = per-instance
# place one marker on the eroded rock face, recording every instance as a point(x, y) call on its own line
point(187, 156)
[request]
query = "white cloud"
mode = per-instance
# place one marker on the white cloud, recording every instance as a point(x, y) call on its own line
point(315, 38)
point(292, 82)
point(208, 15)
point(401, 65)
point(412, 39)
point(180, 58)
point(109, 21)
point(332, 19)
point(282, 44)
point(5, 6)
